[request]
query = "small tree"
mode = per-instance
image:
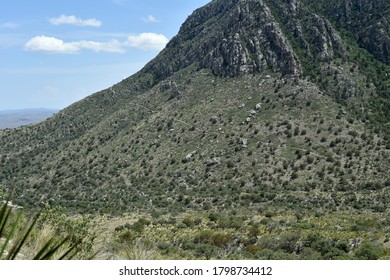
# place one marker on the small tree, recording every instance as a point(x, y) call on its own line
point(368, 251)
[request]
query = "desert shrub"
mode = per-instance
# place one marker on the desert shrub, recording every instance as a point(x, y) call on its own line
point(319, 243)
point(138, 251)
point(308, 253)
point(213, 216)
point(253, 249)
point(368, 251)
point(335, 254)
point(288, 242)
point(127, 236)
point(364, 224)
point(138, 226)
point(266, 221)
point(269, 214)
point(294, 175)
point(229, 164)
point(206, 205)
point(232, 222)
point(188, 222)
point(197, 221)
point(144, 221)
point(205, 251)
point(204, 236)
point(221, 239)
point(268, 254)
point(253, 232)
point(163, 245)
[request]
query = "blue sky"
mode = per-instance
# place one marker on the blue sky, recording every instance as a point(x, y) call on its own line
point(56, 52)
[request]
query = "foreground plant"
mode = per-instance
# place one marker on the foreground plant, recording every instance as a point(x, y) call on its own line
point(17, 235)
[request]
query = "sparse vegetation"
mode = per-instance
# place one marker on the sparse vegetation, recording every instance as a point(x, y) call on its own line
point(299, 150)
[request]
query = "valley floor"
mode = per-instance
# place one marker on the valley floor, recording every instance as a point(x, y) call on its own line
point(245, 235)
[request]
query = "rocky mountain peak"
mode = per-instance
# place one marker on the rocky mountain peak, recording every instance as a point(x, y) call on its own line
point(238, 37)
point(368, 21)
point(231, 38)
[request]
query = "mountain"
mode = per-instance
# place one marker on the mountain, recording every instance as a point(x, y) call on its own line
point(367, 21)
point(255, 104)
point(16, 118)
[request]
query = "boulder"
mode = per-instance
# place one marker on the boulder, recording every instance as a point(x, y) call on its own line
point(213, 161)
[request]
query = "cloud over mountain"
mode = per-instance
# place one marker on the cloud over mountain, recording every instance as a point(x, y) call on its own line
point(147, 41)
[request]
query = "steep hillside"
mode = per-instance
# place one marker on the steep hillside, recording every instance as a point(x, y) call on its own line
point(254, 104)
point(367, 20)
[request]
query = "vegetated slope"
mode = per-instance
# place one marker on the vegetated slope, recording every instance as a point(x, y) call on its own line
point(254, 104)
point(367, 20)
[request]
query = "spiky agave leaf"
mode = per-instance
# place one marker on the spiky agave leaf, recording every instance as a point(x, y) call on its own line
point(20, 242)
point(5, 215)
point(46, 251)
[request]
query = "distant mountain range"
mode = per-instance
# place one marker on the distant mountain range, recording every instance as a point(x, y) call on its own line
point(17, 118)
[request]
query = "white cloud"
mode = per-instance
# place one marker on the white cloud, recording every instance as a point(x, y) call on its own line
point(54, 45)
point(150, 19)
point(143, 41)
point(50, 44)
point(72, 20)
point(147, 41)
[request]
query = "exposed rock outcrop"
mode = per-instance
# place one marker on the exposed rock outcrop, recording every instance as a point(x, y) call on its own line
point(367, 20)
point(237, 37)
point(233, 38)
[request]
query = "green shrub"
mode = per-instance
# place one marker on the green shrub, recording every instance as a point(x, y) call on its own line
point(288, 241)
point(368, 251)
point(188, 222)
point(221, 239)
point(267, 254)
point(127, 237)
point(197, 221)
point(205, 251)
point(138, 226)
point(204, 236)
point(253, 232)
point(213, 216)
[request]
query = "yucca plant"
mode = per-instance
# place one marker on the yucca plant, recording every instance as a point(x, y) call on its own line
point(14, 235)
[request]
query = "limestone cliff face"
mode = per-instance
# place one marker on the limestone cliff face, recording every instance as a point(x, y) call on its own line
point(251, 41)
point(367, 20)
point(238, 37)
point(312, 33)
point(231, 38)
point(370, 21)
